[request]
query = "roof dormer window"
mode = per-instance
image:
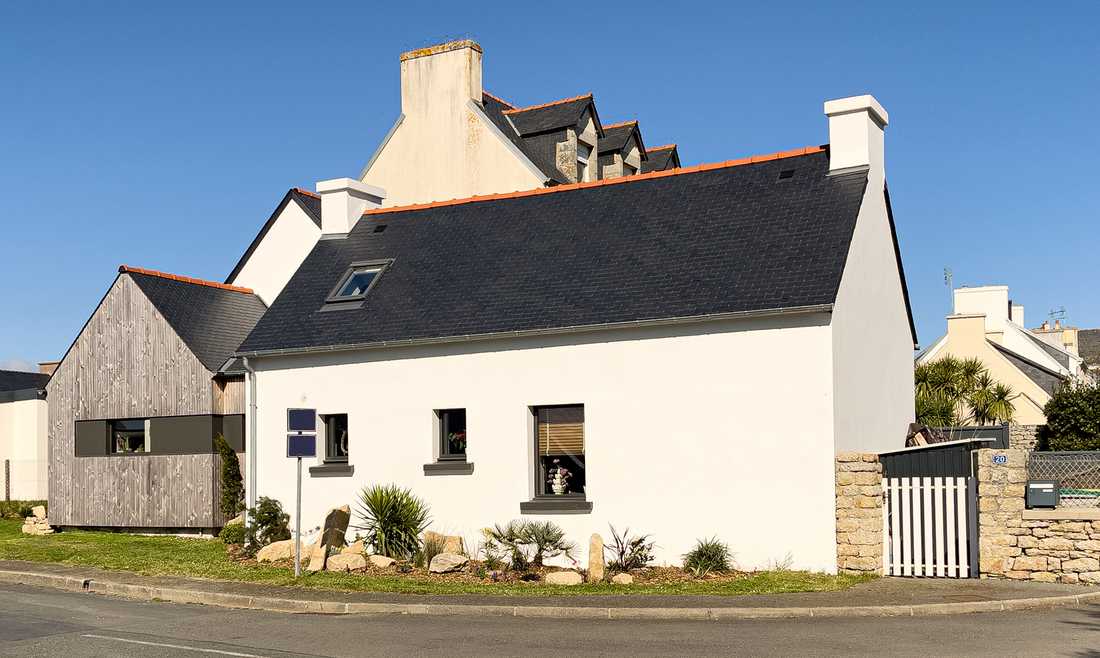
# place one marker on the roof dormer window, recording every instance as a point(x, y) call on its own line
point(583, 153)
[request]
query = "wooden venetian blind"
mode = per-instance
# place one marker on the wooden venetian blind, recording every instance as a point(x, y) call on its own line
point(561, 430)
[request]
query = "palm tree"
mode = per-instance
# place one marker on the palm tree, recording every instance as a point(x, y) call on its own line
point(952, 391)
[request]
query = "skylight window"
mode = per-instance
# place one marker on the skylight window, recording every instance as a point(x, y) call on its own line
point(357, 281)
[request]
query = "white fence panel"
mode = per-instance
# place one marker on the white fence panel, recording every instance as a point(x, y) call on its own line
point(926, 526)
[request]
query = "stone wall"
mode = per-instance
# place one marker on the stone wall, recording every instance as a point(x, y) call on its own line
point(1021, 544)
point(858, 513)
point(1023, 437)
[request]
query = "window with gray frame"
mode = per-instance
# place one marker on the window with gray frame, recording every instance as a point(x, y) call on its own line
point(559, 449)
point(128, 436)
point(452, 435)
point(336, 438)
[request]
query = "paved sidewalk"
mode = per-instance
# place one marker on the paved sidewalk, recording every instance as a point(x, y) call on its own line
point(881, 597)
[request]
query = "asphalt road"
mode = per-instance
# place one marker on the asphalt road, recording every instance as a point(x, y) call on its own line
point(41, 622)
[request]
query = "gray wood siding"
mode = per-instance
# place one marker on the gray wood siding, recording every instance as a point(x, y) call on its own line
point(228, 395)
point(127, 362)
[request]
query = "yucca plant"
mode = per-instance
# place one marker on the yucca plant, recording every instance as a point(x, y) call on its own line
point(511, 538)
point(393, 519)
point(628, 552)
point(709, 555)
point(952, 391)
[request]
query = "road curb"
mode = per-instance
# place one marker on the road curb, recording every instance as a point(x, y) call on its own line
point(308, 606)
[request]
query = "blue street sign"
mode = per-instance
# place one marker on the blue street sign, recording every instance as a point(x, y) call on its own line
point(301, 420)
point(301, 445)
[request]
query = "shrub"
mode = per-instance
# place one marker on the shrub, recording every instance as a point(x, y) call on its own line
point(707, 556)
point(268, 523)
point(17, 509)
point(393, 519)
point(232, 498)
point(235, 533)
point(628, 552)
point(433, 546)
point(1073, 419)
point(529, 543)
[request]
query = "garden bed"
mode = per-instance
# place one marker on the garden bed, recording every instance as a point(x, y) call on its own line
point(197, 558)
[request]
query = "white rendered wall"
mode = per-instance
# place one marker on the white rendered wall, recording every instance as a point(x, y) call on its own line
point(23, 444)
point(872, 341)
point(723, 430)
point(277, 257)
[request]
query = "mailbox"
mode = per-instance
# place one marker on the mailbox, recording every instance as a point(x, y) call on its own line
point(1042, 493)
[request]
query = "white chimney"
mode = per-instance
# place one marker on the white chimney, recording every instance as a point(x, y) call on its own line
point(343, 201)
point(448, 73)
point(856, 126)
point(1018, 314)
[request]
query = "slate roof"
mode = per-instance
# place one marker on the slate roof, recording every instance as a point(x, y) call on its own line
point(14, 380)
point(714, 239)
point(211, 319)
point(661, 158)
point(1046, 379)
point(616, 137)
point(310, 203)
point(551, 116)
point(1088, 346)
point(533, 147)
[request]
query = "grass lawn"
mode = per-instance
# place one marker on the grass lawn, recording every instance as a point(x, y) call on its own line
point(196, 558)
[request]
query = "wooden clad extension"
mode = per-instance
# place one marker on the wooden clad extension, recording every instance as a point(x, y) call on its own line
point(128, 362)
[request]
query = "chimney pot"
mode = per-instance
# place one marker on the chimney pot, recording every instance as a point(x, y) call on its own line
point(343, 201)
point(856, 126)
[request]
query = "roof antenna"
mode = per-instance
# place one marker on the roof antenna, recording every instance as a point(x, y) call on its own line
point(1057, 313)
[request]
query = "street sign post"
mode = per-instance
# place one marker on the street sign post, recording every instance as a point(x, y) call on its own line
point(301, 441)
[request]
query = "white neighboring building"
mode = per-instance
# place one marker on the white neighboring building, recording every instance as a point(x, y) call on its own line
point(695, 346)
point(23, 435)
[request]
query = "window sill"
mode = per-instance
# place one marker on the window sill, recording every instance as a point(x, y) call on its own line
point(449, 467)
point(333, 470)
point(556, 505)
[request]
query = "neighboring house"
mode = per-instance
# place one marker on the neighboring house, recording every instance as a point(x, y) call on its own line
point(23, 435)
point(622, 152)
point(136, 402)
point(1088, 347)
point(659, 158)
point(702, 337)
point(454, 140)
point(987, 326)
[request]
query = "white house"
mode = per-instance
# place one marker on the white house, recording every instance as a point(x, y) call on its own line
point(694, 345)
point(23, 435)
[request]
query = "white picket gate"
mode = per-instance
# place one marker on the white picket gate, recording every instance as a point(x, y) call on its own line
point(928, 527)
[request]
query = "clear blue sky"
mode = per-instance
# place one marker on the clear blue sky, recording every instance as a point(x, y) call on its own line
point(163, 135)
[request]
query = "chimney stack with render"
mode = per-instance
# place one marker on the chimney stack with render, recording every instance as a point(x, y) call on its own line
point(448, 73)
point(856, 127)
point(343, 201)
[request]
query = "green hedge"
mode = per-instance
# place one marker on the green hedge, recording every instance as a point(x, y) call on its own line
point(1073, 419)
point(17, 509)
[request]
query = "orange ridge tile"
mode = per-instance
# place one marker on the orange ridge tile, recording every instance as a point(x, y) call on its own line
point(607, 181)
point(538, 107)
point(185, 279)
point(307, 193)
point(511, 106)
point(621, 124)
point(663, 147)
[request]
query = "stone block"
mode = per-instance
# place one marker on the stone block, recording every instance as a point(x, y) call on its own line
point(1027, 541)
point(1055, 544)
point(345, 562)
point(562, 578)
point(845, 550)
point(844, 478)
point(448, 562)
point(1018, 575)
point(865, 538)
point(1011, 504)
point(866, 502)
point(1092, 577)
point(622, 579)
point(990, 564)
point(595, 558)
point(1044, 577)
point(848, 457)
point(845, 524)
point(381, 561)
point(1001, 540)
point(844, 502)
point(39, 512)
point(867, 478)
point(1087, 545)
point(357, 547)
point(1069, 578)
point(1081, 564)
point(1025, 563)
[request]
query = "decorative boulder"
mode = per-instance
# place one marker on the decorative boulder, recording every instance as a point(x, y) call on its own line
point(332, 537)
point(595, 559)
point(39, 512)
point(275, 551)
point(451, 543)
point(564, 578)
point(236, 520)
point(345, 562)
point(355, 548)
point(622, 579)
point(448, 562)
point(381, 561)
